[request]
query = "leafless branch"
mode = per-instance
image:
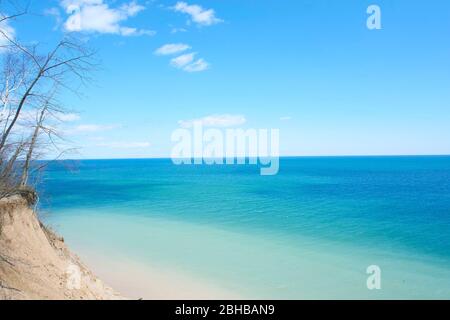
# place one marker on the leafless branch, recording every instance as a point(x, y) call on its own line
point(30, 83)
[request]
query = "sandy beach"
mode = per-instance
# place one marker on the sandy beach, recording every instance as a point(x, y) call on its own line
point(138, 281)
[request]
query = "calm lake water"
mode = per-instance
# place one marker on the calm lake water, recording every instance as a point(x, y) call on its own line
point(309, 232)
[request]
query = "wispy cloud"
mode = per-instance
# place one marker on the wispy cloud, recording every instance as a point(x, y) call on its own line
point(197, 66)
point(97, 16)
point(199, 15)
point(176, 30)
point(124, 145)
point(217, 120)
point(7, 30)
point(285, 118)
point(127, 31)
point(183, 60)
point(132, 8)
point(28, 119)
point(67, 117)
point(55, 13)
point(31, 116)
point(171, 48)
point(91, 128)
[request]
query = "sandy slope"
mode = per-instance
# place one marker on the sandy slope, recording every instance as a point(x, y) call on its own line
point(36, 264)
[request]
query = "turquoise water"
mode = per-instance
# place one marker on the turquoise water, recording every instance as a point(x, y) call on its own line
point(309, 232)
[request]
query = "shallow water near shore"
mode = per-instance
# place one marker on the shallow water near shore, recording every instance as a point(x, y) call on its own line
point(309, 232)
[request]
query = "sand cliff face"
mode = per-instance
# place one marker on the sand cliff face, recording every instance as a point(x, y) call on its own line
point(36, 264)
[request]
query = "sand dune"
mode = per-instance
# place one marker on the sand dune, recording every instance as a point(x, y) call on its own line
point(36, 264)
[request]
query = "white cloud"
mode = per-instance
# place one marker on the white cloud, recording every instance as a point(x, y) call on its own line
point(7, 31)
point(97, 16)
point(183, 60)
point(176, 30)
point(28, 118)
point(31, 116)
point(171, 48)
point(127, 31)
point(132, 8)
point(67, 117)
point(285, 118)
point(89, 128)
point(218, 120)
point(124, 145)
point(197, 66)
point(77, 3)
point(204, 17)
point(55, 13)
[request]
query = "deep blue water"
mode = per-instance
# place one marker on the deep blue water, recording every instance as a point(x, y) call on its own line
point(391, 204)
point(400, 201)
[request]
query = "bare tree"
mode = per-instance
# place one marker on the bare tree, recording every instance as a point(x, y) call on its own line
point(31, 82)
point(32, 144)
point(68, 58)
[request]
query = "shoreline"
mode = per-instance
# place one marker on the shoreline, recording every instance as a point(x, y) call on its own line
point(141, 281)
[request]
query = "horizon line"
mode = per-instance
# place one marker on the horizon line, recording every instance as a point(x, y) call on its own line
point(281, 157)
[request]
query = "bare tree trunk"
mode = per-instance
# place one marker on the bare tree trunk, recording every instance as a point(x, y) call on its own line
point(26, 166)
point(7, 173)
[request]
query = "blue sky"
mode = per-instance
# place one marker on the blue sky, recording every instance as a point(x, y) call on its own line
point(308, 67)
